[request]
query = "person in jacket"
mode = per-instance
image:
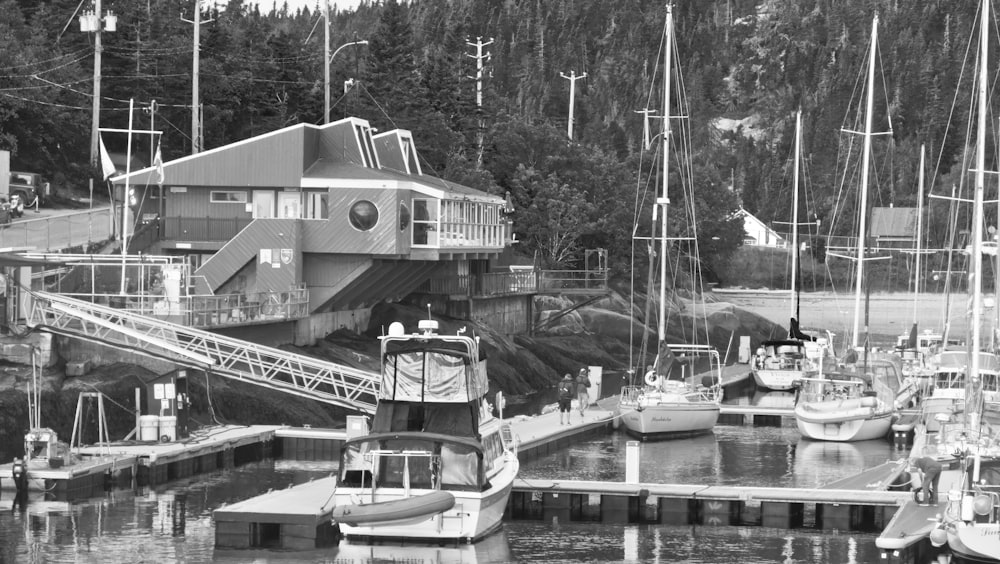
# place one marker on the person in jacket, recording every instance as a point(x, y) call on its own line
point(567, 389)
point(583, 389)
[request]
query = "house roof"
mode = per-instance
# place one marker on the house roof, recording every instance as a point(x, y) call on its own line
point(742, 213)
point(894, 222)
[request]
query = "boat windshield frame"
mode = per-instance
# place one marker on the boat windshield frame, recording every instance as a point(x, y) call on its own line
point(453, 463)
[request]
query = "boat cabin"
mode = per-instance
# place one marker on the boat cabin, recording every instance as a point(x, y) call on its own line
point(782, 355)
point(426, 461)
point(950, 374)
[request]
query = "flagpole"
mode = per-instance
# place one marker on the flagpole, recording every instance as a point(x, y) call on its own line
point(128, 172)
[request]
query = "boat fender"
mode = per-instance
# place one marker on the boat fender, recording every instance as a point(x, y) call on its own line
point(869, 401)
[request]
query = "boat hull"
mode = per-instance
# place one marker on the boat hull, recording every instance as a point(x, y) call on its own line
point(669, 420)
point(778, 380)
point(841, 421)
point(975, 543)
point(472, 516)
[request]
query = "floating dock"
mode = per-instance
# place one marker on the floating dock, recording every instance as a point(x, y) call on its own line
point(674, 504)
point(297, 518)
point(93, 470)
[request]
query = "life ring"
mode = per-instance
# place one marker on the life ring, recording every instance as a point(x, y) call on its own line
point(652, 379)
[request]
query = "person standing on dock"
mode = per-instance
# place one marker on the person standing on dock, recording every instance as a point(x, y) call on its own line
point(567, 389)
point(583, 389)
point(931, 470)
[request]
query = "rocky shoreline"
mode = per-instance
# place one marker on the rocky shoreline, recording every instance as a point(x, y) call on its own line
point(597, 334)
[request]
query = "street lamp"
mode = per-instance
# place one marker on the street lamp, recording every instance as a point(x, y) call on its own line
point(326, 112)
point(90, 22)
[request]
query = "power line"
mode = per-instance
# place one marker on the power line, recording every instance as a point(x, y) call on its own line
point(33, 63)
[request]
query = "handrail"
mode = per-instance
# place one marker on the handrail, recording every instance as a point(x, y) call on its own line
point(257, 364)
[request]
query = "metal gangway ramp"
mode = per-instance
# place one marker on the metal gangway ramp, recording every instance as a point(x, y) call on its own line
point(269, 367)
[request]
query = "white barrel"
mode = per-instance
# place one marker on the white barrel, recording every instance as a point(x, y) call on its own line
point(168, 428)
point(149, 428)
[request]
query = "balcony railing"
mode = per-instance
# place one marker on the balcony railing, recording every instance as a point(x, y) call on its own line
point(203, 228)
point(573, 280)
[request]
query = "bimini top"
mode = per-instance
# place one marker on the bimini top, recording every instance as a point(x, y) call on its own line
point(436, 369)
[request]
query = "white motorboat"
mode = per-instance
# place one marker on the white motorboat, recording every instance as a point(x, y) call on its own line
point(850, 406)
point(437, 465)
point(780, 365)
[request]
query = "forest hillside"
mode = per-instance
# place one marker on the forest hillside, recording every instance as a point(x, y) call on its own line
point(747, 67)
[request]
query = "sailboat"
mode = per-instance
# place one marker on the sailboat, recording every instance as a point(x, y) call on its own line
point(781, 364)
point(858, 403)
point(972, 518)
point(663, 405)
point(914, 347)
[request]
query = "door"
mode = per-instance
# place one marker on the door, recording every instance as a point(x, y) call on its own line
point(263, 203)
point(289, 205)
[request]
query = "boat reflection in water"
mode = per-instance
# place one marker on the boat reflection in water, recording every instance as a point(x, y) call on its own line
point(815, 461)
point(493, 548)
point(773, 400)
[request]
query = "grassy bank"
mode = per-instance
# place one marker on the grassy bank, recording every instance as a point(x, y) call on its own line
point(763, 267)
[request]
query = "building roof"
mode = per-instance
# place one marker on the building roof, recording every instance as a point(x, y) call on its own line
point(307, 155)
point(894, 222)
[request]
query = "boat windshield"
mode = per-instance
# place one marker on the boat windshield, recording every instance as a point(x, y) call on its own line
point(410, 460)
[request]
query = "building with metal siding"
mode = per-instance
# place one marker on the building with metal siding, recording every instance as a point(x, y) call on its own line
point(332, 208)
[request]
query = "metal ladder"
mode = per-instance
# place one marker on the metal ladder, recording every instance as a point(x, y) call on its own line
point(269, 367)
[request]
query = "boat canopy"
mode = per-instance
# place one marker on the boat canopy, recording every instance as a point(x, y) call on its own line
point(432, 369)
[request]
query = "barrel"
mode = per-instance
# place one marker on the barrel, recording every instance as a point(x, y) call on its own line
point(149, 427)
point(168, 428)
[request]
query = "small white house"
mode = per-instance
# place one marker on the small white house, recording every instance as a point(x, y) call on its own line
point(758, 234)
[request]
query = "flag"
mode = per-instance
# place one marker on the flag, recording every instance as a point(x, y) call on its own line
point(107, 167)
point(158, 163)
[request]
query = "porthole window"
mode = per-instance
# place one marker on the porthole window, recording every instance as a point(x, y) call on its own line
point(363, 215)
point(404, 216)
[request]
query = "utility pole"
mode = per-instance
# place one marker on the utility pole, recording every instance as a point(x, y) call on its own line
point(647, 139)
point(195, 107)
point(91, 22)
point(572, 95)
point(326, 61)
point(479, 57)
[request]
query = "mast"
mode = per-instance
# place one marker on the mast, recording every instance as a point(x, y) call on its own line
point(920, 218)
point(663, 202)
point(795, 216)
point(865, 160)
point(973, 391)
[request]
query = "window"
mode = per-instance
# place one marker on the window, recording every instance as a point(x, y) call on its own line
point(404, 216)
point(367, 147)
point(425, 221)
point(316, 205)
point(227, 197)
point(363, 215)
